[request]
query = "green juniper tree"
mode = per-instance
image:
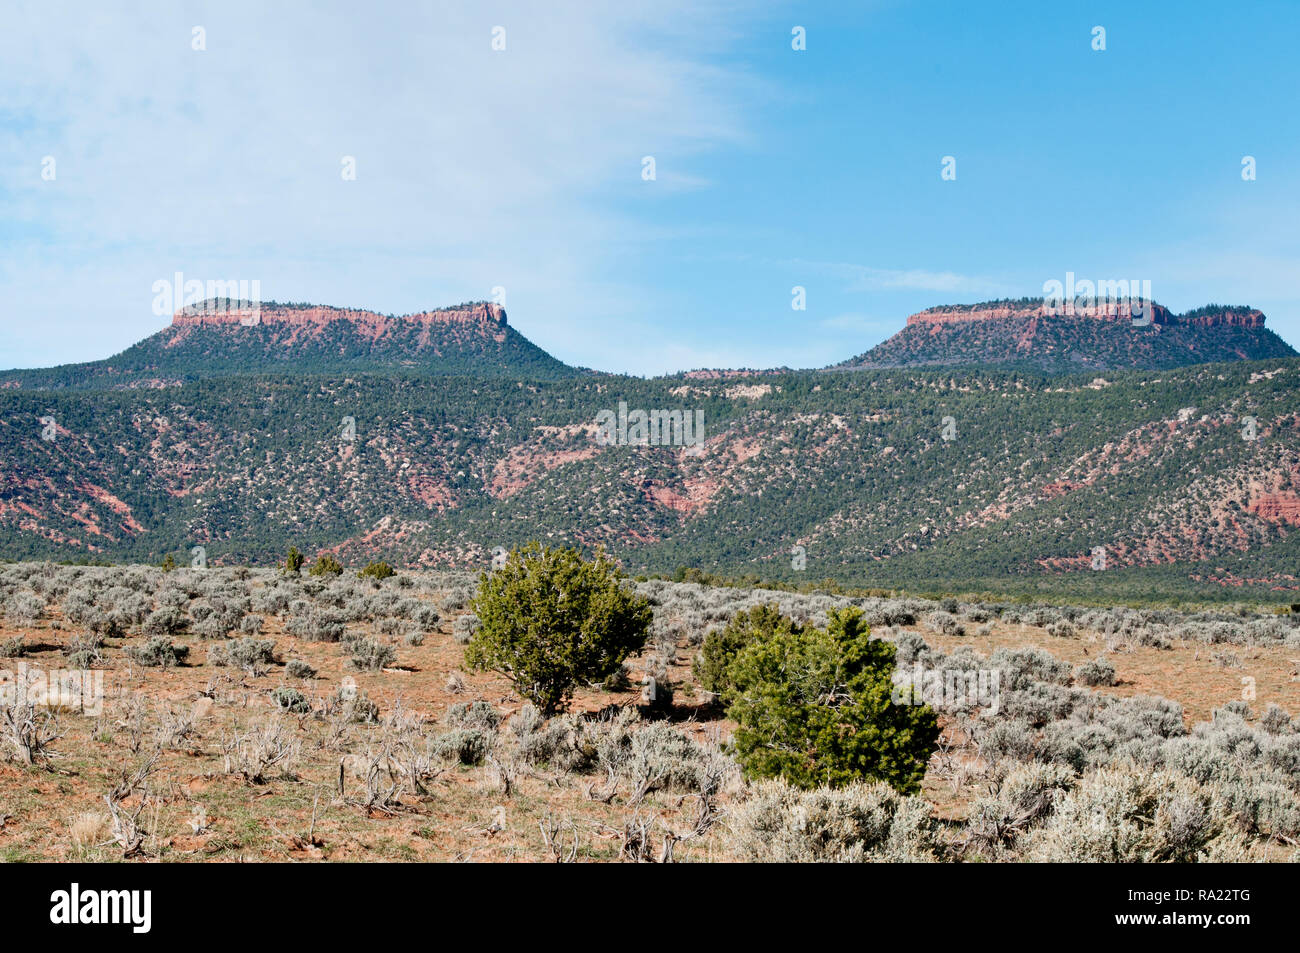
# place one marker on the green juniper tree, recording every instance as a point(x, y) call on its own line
point(721, 646)
point(550, 621)
point(814, 706)
point(326, 565)
point(293, 561)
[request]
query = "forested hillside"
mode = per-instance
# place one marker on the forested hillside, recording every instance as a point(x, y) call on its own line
point(1154, 468)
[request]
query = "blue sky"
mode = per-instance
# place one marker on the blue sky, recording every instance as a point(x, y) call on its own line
point(522, 168)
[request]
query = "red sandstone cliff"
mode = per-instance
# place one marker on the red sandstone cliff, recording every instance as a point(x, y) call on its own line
point(319, 315)
point(1103, 311)
point(1229, 317)
point(1277, 507)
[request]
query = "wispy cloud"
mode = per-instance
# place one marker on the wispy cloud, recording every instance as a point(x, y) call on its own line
point(851, 322)
point(475, 168)
point(858, 278)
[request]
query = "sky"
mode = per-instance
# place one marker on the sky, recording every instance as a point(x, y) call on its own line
point(524, 168)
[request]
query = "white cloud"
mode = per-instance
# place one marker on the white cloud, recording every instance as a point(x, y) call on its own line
point(852, 322)
point(475, 168)
point(859, 278)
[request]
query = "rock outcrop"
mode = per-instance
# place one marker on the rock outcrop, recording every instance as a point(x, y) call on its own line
point(1102, 311)
point(207, 315)
point(1052, 337)
point(1277, 508)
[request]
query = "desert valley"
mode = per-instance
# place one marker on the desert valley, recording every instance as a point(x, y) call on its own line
point(1078, 549)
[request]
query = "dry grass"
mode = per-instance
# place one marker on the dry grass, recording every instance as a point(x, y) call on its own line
point(1186, 673)
point(465, 815)
point(188, 807)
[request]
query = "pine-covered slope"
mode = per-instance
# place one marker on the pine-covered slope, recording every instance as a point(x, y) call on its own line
point(1155, 468)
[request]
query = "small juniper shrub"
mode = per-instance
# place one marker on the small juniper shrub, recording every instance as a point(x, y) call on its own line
point(376, 570)
point(293, 561)
point(326, 565)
